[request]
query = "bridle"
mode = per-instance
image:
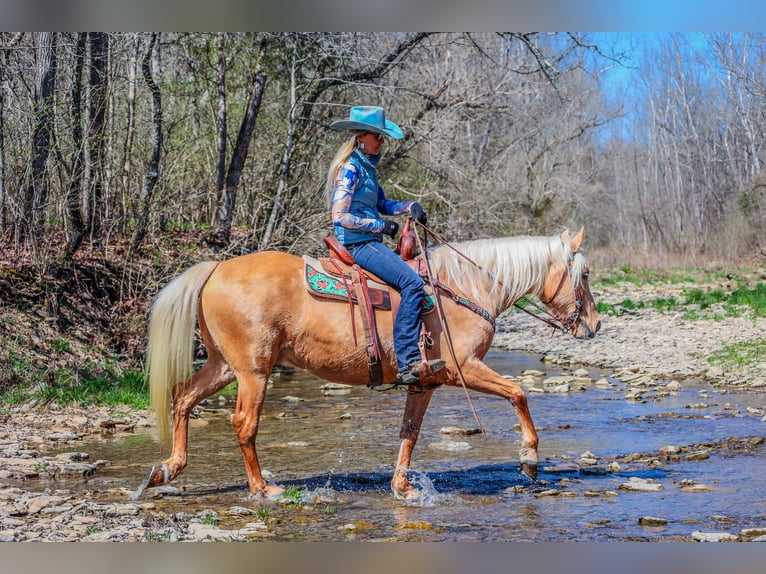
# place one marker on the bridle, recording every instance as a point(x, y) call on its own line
point(524, 302)
point(552, 319)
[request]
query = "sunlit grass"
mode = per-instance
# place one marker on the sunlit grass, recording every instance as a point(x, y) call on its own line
point(740, 353)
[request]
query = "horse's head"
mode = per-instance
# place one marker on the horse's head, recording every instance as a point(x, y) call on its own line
point(567, 293)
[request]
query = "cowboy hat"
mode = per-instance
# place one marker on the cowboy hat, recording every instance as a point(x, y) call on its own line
point(370, 119)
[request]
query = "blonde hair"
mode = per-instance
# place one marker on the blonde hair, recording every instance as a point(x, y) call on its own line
point(342, 155)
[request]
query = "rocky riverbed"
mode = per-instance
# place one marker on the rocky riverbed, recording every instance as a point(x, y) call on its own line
point(42, 444)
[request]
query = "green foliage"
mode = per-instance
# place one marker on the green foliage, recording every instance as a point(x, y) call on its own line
point(695, 302)
point(208, 517)
point(739, 353)
point(293, 495)
point(60, 345)
point(65, 387)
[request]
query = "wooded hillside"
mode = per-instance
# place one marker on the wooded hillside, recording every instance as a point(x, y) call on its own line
point(128, 134)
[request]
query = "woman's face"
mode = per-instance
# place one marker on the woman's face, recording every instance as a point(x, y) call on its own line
point(372, 142)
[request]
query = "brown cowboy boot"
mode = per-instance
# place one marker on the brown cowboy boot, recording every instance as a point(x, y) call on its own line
point(411, 375)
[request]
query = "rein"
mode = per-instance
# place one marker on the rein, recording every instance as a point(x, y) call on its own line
point(445, 328)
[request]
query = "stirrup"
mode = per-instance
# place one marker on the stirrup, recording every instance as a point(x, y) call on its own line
point(428, 368)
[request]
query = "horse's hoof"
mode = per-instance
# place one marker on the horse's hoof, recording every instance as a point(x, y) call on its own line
point(269, 492)
point(138, 493)
point(529, 470)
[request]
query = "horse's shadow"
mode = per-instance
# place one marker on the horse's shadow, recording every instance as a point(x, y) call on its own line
point(482, 480)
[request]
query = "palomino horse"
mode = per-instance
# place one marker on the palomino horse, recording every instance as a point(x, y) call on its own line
point(254, 312)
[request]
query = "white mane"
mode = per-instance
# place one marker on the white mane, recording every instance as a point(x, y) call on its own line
point(506, 268)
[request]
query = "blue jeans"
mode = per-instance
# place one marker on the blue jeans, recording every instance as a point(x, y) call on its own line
point(383, 262)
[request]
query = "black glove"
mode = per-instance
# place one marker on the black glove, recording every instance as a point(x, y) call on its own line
point(390, 228)
point(417, 212)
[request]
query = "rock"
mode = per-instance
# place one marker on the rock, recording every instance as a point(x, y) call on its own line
point(558, 380)
point(750, 532)
point(652, 521)
point(459, 431)
point(547, 493)
point(699, 455)
point(715, 372)
point(641, 485)
point(714, 536)
point(451, 446)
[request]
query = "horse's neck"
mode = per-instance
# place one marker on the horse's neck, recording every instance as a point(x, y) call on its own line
point(498, 283)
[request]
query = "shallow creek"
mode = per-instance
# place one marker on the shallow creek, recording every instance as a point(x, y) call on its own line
point(610, 460)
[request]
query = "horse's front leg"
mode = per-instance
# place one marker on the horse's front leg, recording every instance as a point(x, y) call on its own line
point(414, 411)
point(480, 377)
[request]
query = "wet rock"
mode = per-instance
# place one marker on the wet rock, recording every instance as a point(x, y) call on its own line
point(714, 536)
point(451, 446)
point(459, 431)
point(652, 521)
point(752, 532)
point(547, 493)
point(292, 399)
point(558, 380)
point(641, 485)
point(699, 455)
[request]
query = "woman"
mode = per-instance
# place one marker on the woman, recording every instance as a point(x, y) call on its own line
point(357, 201)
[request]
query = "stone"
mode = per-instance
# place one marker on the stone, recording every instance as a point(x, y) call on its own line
point(451, 446)
point(459, 431)
point(652, 521)
point(700, 536)
point(641, 485)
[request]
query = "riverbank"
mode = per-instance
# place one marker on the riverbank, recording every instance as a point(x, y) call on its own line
point(649, 341)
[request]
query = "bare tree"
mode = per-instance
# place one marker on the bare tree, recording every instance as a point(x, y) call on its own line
point(99, 48)
point(36, 196)
point(74, 199)
point(150, 63)
point(241, 148)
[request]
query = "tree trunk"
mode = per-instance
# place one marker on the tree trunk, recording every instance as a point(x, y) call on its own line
point(36, 196)
point(130, 130)
point(220, 168)
point(285, 167)
point(228, 201)
point(74, 189)
point(99, 48)
point(151, 60)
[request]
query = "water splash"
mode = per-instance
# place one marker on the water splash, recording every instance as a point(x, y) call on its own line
point(428, 495)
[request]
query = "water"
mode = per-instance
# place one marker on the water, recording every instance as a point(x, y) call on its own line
point(339, 451)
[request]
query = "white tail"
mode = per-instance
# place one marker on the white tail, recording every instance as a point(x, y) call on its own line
point(171, 339)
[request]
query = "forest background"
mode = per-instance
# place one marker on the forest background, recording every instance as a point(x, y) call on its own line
point(126, 157)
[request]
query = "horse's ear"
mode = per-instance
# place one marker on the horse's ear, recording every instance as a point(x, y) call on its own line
point(565, 236)
point(577, 240)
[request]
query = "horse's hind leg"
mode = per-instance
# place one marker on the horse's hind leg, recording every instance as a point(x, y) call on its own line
point(211, 378)
point(414, 411)
point(250, 399)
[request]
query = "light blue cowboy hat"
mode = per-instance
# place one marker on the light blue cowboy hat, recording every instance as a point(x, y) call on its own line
point(370, 119)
